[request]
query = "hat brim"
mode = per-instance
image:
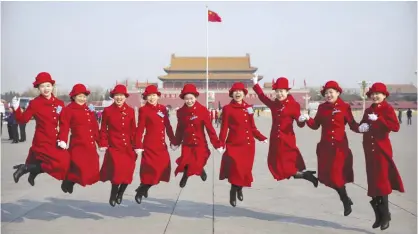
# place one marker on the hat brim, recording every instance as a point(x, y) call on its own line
point(232, 91)
point(36, 84)
point(184, 94)
point(144, 95)
point(113, 94)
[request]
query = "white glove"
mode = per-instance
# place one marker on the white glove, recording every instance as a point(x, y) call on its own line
point(139, 151)
point(62, 144)
point(306, 116)
point(174, 147)
point(103, 149)
point(302, 118)
point(364, 127)
point(221, 150)
point(255, 79)
point(372, 117)
point(15, 103)
point(265, 141)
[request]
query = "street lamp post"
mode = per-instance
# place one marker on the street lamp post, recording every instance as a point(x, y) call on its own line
point(363, 87)
point(307, 98)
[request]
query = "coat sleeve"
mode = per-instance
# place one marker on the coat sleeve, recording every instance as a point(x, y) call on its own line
point(224, 125)
point(263, 98)
point(25, 116)
point(296, 114)
point(64, 124)
point(257, 134)
point(104, 136)
point(389, 121)
point(133, 130)
point(140, 129)
point(96, 134)
point(315, 123)
point(350, 120)
point(179, 130)
point(169, 129)
point(211, 131)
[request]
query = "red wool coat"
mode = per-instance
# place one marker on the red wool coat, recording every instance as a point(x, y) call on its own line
point(335, 159)
point(117, 133)
point(191, 122)
point(382, 174)
point(85, 165)
point(284, 158)
point(237, 161)
point(155, 161)
point(54, 160)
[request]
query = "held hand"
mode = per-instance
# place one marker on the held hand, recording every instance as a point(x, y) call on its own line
point(372, 117)
point(102, 149)
point(255, 79)
point(15, 103)
point(302, 118)
point(364, 127)
point(62, 144)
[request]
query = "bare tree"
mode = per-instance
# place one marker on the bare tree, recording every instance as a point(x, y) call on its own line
point(96, 93)
point(30, 92)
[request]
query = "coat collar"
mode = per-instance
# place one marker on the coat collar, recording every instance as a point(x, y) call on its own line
point(380, 105)
point(74, 105)
point(235, 104)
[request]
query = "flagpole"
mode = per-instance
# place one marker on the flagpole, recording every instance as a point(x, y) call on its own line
point(207, 57)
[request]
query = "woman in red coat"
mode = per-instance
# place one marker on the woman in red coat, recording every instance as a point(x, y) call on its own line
point(44, 155)
point(382, 175)
point(238, 124)
point(284, 158)
point(192, 119)
point(335, 160)
point(84, 167)
point(155, 161)
point(117, 134)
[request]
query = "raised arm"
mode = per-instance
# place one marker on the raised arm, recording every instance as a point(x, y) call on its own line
point(24, 117)
point(263, 98)
point(210, 130)
point(103, 133)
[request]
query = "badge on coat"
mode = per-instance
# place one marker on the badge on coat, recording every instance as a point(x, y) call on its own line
point(250, 110)
point(335, 111)
point(58, 109)
point(193, 117)
point(91, 107)
point(161, 114)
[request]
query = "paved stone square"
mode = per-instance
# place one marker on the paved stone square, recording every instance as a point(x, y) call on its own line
point(290, 206)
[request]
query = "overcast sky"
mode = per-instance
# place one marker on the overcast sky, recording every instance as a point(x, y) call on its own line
point(97, 43)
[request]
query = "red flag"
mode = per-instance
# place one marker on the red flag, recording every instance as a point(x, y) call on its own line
point(213, 17)
point(147, 82)
point(304, 82)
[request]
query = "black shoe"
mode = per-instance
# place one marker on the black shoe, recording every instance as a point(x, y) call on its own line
point(139, 193)
point(121, 190)
point(15, 142)
point(22, 140)
point(31, 178)
point(309, 176)
point(233, 195)
point(70, 187)
point(240, 195)
point(184, 178)
point(203, 175)
point(347, 203)
point(375, 203)
point(113, 193)
point(64, 185)
point(385, 214)
point(22, 169)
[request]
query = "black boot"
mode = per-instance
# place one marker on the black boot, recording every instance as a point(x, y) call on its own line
point(113, 193)
point(141, 191)
point(70, 186)
point(233, 195)
point(121, 190)
point(23, 169)
point(240, 195)
point(345, 199)
point(31, 178)
point(375, 203)
point(203, 175)
point(309, 176)
point(64, 186)
point(385, 214)
point(183, 180)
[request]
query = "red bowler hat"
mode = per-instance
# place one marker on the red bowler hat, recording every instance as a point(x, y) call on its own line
point(378, 88)
point(238, 86)
point(189, 89)
point(119, 89)
point(43, 77)
point(331, 85)
point(150, 89)
point(79, 88)
point(281, 83)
